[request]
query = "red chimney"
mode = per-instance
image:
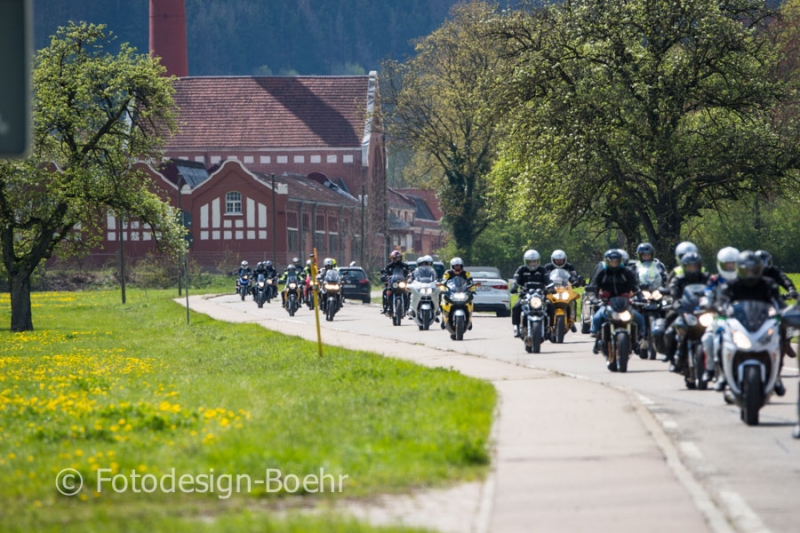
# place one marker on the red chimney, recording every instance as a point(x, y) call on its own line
point(168, 35)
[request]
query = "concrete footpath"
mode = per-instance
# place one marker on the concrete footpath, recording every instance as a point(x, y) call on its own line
point(568, 454)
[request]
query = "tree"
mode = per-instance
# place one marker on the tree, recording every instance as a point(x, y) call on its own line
point(95, 114)
point(438, 106)
point(643, 113)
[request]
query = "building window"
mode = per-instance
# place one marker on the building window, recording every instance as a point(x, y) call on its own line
point(316, 159)
point(233, 203)
point(265, 159)
point(293, 239)
point(299, 159)
point(330, 159)
point(319, 242)
point(333, 243)
point(347, 158)
point(283, 159)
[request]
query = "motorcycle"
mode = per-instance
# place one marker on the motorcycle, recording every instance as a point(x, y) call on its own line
point(533, 325)
point(424, 306)
point(617, 331)
point(690, 326)
point(272, 289)
point(457, 307)
point(396, 291)
point(589, 306)
point(308, 292)
point(751, 353)
point(653, 306)
point(292, 294)
point(261, 291)
point(243, 288)
point(330, 294)
point(563, 303)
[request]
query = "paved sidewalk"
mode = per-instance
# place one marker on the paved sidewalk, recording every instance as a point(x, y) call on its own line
point(569, 454)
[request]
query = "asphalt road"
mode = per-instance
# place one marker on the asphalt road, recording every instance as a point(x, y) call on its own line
point(752, 473)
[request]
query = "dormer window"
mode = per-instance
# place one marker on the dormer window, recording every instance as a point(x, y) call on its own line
point(233, 203)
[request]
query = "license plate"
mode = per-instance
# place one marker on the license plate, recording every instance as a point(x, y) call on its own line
point(349, 286)
point(484, 289)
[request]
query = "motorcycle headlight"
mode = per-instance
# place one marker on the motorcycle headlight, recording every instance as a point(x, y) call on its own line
point(563, 296)
point(647, 294)
point(690, 320)
point(656, 295)
point(706, 319)
point(331, 287)
point(767, 337)
point(402, 284)
point(741, 340)
point(293, 285)
point(624, 316)
point(260, 283)
point(425, 292)
point(536, 303)
point(459, 297)
point(244, 278)
point(395, 285)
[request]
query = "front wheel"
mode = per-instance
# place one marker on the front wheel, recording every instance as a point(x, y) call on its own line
point(292, 305)
point(623, 350)
point(753, 395)
point(331, 309)
point(397, 317)
point(460, 326)
point(537, 337)
point(242, 293)
point(561, 329)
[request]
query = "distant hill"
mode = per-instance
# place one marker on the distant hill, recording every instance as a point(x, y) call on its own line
point(267, 36)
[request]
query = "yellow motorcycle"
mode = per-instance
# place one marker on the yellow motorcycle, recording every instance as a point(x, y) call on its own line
point(563, 304)
point(457, 307)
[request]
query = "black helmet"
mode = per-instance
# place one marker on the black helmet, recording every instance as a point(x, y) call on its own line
point(765, 256)
point(612, 259)
point(749, 267)
point(645, 249)
point(692, 263)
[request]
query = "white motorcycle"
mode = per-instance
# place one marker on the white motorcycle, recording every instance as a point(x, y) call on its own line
point(751, 354)
point(424, 305)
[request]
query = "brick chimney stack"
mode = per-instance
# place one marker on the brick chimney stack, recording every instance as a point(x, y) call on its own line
point(168, 35)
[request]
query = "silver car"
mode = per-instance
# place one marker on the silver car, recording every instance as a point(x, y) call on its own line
point(493, 293)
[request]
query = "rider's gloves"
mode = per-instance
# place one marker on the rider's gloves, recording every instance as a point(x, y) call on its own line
point(792, 294)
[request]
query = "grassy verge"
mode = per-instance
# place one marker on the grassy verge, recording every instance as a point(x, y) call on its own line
point(130, 388)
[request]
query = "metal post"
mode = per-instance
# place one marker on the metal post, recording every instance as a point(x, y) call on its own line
point(316, 300)
point(274, 227)
point(180, 210)
point(122, 254)
point(186, 279)
point(363, 229)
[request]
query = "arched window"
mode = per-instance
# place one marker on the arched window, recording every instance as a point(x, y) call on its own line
point(233, 203)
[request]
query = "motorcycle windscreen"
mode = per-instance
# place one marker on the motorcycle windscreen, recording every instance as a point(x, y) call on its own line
point(691, 296)
point(397, 274)
point(648, 275)
point(457, 284)
point(261, 278)
point(291, 277)
point(619, 303)
point(751, 314)
point(559, 277)
point(332, 276)
point(425, 274)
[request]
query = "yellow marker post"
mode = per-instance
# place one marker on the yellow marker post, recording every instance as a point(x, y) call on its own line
point(316, 300)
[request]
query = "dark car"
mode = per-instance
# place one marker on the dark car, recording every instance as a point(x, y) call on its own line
point(355, 284)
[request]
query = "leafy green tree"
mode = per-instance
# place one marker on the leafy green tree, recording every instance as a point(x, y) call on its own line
point(438, 106)
point(644, 113)
point(95, 115)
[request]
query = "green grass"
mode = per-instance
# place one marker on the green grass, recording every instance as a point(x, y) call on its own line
point(102, 385)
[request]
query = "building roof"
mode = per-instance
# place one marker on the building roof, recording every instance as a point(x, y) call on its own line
point(395, 199)
point(248, 112)
point(302, 188)
point(397, 223)
point(428, 196)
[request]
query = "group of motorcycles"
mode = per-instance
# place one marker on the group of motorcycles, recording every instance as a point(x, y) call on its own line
point(548, 311)
point(426, 300)
point(296, 291)
point(747, 339)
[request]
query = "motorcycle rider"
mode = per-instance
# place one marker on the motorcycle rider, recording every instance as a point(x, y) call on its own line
point(647, 259)
point(683, 248)
point(396, 261)
point(691, 272)
point(424, 261)
point(260, 270)
point(726, 272)
point(291, 269)
point(613, 280)
point(244, 270)
point(776, 274)
point(530, 272)
point(272, 274)
point(558, 259)
point(751, 284)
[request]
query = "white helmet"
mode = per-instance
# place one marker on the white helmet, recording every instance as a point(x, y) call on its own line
point(456, 261)
point(558, 255)
point(726, 262)
point(684, 248)
point(244, 264)
point(531, 256)
point(426, 259)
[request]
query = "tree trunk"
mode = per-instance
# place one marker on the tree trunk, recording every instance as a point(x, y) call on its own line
point(668, 237)
point(21, 319)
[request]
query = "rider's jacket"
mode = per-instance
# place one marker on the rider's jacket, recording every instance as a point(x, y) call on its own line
point(763, 290)
point(391, 266)
point(450, 274)
point(525, 274)
point(618, 282)
point(300, 276)
point(573, 274)
point(679, 283)
point(654, 266)
point(245, 271)
point(777, 275)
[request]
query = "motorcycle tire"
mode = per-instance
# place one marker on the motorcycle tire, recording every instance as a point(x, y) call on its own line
point(242, 293)
point(536, 340)
point(397, 315)
point(623, 351)
point(585, 327)
point(651, 345)
point(331, 311)
point(528, 339)
point(561, 329)
point(460, 326)
point(260, 303)
point(700, 368)
point(426, 321)
point(292, 306)
point(753, 395)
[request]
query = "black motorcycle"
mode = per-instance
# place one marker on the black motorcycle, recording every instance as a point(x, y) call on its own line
point(653, 306)
point(292, 294)
point(533, 326)
point(690, 326)
point(396, 292)
point(617, 332)
point(261, 291)
point(330, 294)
